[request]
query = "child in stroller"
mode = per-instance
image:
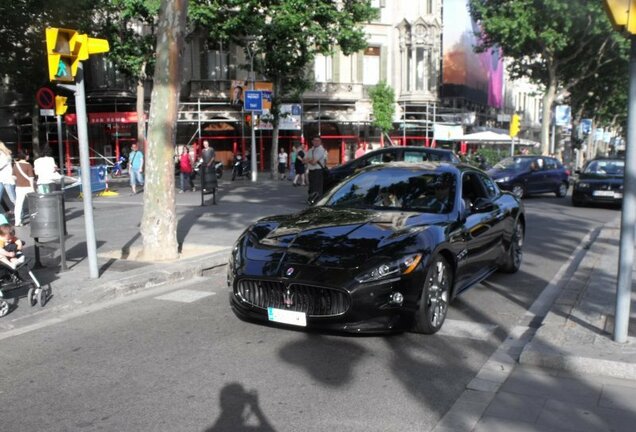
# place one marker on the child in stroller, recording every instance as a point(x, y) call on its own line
point(15, 272)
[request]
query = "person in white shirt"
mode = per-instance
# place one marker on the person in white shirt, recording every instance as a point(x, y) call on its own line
point(282, 163)
point(7, 183)
point(46, 171)
point(316, 165)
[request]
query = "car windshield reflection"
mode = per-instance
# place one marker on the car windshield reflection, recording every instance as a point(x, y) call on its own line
point(395, 189)
point(606, 167)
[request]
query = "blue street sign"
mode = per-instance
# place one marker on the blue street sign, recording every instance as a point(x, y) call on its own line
point(253, 100)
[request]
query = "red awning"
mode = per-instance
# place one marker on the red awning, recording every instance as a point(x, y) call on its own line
point(104, 118)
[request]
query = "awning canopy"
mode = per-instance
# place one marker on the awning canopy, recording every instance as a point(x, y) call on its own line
point(487, 136)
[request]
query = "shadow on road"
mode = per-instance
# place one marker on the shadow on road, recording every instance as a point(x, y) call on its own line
point(240, 411)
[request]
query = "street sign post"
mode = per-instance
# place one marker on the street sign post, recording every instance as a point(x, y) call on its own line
point(253, 100)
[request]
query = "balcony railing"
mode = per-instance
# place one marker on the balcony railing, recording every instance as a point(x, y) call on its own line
point(336, 91)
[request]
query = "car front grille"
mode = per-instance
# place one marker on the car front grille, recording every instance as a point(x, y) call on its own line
point(313, 300)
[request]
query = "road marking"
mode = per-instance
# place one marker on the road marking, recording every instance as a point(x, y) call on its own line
point(466, 329)
point(185, 296)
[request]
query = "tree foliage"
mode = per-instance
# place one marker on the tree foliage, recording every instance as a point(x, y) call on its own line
point(556, 44)
point(285, 36)
point(383, 102)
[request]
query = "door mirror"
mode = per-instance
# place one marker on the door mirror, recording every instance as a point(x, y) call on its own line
point(483, 205)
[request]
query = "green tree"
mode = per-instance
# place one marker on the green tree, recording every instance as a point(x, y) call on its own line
point(23, 46)
point(547, 40)
point(383, 103)
point(285, 36)
point(159, 221)
point(130, 26)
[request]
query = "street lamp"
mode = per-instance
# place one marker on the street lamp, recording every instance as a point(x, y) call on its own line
point(251, 79)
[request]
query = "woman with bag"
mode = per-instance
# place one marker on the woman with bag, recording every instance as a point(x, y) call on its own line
point(24, 179)
point(185, 169)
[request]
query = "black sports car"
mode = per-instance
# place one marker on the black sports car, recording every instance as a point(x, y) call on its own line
point(601, 181)
point(385, 250)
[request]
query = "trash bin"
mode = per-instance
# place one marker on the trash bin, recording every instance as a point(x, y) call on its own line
point(47, 212)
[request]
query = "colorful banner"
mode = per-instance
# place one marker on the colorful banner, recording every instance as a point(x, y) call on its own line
point(477, 77)
point(290, 118)
point(238, 89)
point(447, 132)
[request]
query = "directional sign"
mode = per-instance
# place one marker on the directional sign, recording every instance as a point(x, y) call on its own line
point(45, 98)
point(253, 100)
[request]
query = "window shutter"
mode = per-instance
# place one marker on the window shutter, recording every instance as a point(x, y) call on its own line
point(383, 62)
point(360, 67)
point(335, 65)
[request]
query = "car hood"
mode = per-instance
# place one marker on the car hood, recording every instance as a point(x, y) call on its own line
point(341, 238)
point(589, 177)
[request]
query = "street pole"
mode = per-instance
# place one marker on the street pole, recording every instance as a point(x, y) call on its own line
point(628, 219)
point(87, 193)
point(253, 145)
point(60, 150)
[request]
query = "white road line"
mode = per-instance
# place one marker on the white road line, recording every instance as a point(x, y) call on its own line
point(185, 296)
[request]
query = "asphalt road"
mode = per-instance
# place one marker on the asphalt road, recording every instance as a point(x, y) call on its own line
point(184, 362)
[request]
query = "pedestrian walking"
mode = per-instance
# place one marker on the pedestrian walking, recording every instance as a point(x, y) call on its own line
point(299, 166)
point(292, 163)
point(208, 154)
point(46, 171)
point(185, 169)
point(136, 168)
point(316, 165)
point(282, 163)
point(7, 183)
point(24, 180)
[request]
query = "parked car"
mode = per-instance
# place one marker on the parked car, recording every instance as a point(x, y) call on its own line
point(600, 181)
point(527, 175)
point(378, 253)
point(389, 154)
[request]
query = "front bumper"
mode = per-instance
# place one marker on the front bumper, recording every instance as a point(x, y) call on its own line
point(370, 309)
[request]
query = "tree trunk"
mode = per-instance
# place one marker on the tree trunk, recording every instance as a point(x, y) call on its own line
point(35, 132)
point(276, 98)
point(141, 121)
point(159, 221)
point(548, 101)
point(274, 155)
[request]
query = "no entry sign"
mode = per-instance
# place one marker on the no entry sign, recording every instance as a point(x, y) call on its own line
point(45, 98)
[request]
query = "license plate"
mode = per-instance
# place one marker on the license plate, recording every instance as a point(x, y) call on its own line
point(603, 193)
point(618, 195)
point(287, 317)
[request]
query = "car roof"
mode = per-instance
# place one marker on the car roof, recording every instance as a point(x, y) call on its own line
point(441, 167)
point(423, 149)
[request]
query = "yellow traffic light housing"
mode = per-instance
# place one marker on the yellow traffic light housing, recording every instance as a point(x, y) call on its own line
point(66, 48)
point(60, 105)
point(622, 14)
point(515, 125)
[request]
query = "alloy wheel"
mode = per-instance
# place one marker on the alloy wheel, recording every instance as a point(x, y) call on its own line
point(518, 191)
point(517, 245)
point(438, 294)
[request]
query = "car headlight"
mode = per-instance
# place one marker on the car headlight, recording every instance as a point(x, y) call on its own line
point(502, 179)
point(403, 266)
point(582, 185)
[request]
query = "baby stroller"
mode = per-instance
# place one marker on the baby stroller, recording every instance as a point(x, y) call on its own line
point(18, 278)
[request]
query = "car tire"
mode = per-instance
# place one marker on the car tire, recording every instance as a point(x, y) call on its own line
point(4, 308)
point(562, 190)
point(518, 190)
point(514, 255)
point(433, 304)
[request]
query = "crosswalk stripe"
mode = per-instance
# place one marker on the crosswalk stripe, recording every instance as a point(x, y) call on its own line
point(466, 329)
point(185, 296)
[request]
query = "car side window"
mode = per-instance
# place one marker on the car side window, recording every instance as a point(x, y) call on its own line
point(491, 188)
point(550, 164)
point(373, 159)
point(472, 188)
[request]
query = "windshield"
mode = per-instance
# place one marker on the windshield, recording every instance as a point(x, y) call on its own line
point(606, 167)
point(395, 189)
point(511, 163)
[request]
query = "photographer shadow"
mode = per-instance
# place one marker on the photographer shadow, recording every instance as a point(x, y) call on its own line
point(240, 412)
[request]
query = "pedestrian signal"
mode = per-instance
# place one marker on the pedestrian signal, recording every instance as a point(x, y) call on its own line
point(248, 119)
point(60, 105)
point(514, 125)
point(65, 48)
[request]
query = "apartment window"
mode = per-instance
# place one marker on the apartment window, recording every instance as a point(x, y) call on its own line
point(215, 65)
point(371, 66)
point(323, 68)
point(429, 6)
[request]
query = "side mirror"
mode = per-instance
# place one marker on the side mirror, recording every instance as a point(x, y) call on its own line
point(483, 205)
point(577, 171)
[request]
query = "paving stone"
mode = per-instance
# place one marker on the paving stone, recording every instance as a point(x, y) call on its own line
point(483, 385)
point(563, 389)
point(569, 417)
point(498, 424)
point(462, 417)
point(516, 407)
point(618, 397)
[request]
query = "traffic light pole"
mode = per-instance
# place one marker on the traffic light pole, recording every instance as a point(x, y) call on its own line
point(62, 233)
point(87, 193)
point(628, 218)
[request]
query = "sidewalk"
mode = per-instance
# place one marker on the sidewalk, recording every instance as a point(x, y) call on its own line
point(567, 374)
point(205, 234)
